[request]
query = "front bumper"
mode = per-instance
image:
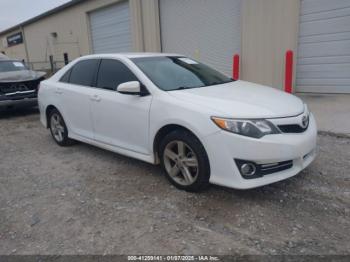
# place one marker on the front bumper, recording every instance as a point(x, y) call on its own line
point(224, 147)
point(28, 98)
point(25, 102)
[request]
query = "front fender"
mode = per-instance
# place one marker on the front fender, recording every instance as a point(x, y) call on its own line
point(164, 113)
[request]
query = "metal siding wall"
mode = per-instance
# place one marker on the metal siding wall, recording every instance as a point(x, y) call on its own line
point(269, 29)
point(110, 29)
point(207, 30)
point(324, 47)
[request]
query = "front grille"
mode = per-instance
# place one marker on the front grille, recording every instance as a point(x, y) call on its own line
point(291, 128)
point(6, 88)
point(14, 88)
point(266, 169)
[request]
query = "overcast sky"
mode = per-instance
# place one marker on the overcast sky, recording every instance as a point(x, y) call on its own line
point(13, 12)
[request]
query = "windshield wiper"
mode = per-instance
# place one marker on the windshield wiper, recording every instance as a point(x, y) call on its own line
point(185, 87)
point(223, 82)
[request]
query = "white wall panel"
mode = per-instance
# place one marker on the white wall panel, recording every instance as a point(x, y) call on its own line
point(207, 30)
point(324, 47)
point(110, 29)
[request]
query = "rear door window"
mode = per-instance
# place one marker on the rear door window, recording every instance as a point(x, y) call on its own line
point(83, 73)
point(113, 73)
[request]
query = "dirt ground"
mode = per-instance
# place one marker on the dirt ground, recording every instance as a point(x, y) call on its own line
point(84, 200)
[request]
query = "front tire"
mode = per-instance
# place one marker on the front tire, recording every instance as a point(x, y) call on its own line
point(185, 161)
point(59, 129)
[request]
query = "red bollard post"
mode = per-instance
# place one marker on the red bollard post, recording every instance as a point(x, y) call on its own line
point(288, 77)
point(235, 67)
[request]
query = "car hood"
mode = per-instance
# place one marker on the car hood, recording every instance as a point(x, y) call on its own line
point(19, 76)
point(241, 99)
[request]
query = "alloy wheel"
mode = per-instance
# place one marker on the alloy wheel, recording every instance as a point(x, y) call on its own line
point(181, 163)
point(57, 127)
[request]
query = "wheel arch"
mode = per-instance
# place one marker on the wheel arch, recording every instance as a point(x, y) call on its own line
point(48, 110)
point(162, 132)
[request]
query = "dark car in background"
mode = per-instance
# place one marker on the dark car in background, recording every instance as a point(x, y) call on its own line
point(18, 84)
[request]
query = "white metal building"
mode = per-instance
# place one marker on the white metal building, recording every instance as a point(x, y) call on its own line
point(207, 30)
point(323, 63)
point(318, 31)
point(110, 29)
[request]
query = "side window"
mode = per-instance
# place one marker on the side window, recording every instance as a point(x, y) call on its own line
point(83, 73)
point(65, 77)
point(112, 73)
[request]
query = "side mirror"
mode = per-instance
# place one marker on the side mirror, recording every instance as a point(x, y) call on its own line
point(130, 88)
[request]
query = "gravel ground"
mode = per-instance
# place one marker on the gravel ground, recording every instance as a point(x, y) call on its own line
point(84, 200)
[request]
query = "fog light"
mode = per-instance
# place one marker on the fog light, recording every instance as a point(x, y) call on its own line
point(248, 169)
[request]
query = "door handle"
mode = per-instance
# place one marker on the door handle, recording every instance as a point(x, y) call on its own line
point(95, 98)
point(58, 91)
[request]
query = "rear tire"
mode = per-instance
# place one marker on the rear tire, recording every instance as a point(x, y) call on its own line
point(185, 161)
point(59, 129)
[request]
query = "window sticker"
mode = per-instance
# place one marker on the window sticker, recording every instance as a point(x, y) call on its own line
point(18, 64)
point(188, 61)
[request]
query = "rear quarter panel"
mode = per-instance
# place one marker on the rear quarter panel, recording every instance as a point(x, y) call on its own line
point(46, 97)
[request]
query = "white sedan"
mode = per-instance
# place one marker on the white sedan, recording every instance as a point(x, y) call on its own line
point(200, 125)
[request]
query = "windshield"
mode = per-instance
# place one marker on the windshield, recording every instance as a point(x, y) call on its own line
point(8, 66)
point(175, 73)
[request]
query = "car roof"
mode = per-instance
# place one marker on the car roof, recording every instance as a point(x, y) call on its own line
point(10, 60)
point(7, 59)
point(131, 55)
point(135, 55)
point(3, 57)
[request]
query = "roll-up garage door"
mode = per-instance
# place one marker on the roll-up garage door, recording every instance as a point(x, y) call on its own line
point(110, 29)
point(324, 47)
point(207, 30)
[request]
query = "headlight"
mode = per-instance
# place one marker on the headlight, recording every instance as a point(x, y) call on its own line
point(256, 128)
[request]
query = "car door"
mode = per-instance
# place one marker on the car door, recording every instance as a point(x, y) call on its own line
point(75, 92)
point(120, 120)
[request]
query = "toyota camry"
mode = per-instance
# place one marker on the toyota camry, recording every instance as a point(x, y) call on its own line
point(200, 125)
